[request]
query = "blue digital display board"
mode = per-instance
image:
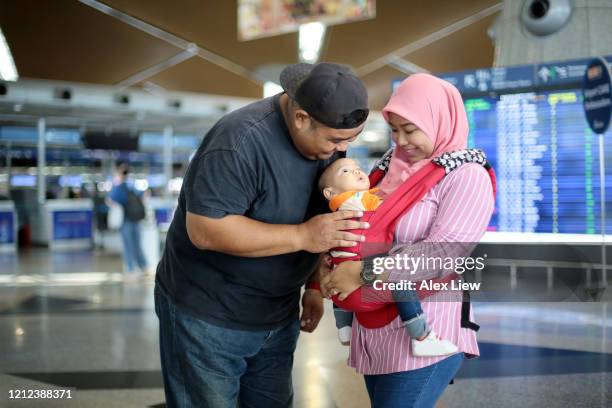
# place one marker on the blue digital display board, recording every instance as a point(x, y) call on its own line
point(155, 141)
point(29, 135)
point(546, 159)
point(23, 180)
point(530, 121)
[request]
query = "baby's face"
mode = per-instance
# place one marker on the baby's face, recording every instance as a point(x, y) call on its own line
point(346, 175)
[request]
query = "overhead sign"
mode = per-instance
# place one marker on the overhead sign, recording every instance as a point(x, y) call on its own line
point(20, 135)
point(519, 77)
point(596, 89)
point(265, 18)
point(560, 73)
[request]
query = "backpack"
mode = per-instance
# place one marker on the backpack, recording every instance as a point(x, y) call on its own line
point(134, 210)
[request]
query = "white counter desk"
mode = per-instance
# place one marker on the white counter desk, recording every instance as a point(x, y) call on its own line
point(64, 224)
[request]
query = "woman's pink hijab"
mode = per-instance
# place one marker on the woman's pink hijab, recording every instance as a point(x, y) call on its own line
point(434, 106)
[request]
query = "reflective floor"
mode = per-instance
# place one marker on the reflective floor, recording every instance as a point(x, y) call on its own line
point(68, 320)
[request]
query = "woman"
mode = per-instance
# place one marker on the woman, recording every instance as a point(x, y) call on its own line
point(427, 119)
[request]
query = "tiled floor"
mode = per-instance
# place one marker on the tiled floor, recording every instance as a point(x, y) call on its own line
point(67, 320)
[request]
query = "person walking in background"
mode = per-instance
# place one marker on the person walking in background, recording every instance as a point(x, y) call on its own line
point(133, 212)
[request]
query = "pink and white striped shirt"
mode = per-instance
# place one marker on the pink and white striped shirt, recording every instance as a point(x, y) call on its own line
point(458, 209)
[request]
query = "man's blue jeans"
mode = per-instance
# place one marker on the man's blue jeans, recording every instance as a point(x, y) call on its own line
point(413, 389)
point(205, 365)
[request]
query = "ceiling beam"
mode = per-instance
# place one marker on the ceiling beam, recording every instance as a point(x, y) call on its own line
point(153, 88)
point(405, 66)
point(174, 40)
point(156, 69)
point(428, 39)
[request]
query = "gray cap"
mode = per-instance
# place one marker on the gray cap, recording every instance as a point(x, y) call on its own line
point(330, 93)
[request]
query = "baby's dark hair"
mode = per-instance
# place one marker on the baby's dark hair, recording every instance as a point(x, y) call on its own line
point(323, 179)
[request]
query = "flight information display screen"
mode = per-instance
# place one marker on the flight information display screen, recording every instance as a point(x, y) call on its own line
point(546, 159)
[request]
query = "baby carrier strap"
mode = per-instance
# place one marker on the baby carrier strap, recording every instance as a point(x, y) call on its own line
point(380, 235)
point(453, 160)
point(465, 313)
point(449, 161)
point(384, 220)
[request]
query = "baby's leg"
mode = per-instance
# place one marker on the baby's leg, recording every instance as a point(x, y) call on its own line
point(344, 321)
point(425, 342)
point(410, 312)
point(343, 317)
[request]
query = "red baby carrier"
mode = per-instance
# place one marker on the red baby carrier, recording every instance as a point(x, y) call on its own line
point(380, 235)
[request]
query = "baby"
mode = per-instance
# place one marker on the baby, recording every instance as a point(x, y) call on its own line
point(347, 187)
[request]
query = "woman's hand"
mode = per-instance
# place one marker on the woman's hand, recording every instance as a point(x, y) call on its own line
point(344, 280)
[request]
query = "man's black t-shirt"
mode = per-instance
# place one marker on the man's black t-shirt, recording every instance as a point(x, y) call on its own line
point(246, 165)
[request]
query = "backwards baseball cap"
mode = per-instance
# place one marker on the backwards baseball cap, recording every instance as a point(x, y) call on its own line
point(330, 93)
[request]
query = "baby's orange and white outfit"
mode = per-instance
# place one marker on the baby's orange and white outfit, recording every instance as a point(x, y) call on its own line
point(354, 201)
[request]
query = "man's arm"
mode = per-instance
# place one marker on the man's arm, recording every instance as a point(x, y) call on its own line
point(241, 236)
point(322, 269)
point(312, 299)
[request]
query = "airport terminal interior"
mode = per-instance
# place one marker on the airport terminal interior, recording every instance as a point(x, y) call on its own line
point(88, 88)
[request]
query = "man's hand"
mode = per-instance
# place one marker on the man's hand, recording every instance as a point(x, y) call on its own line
point(345, 279)
point(312, 310)
point(323, 232)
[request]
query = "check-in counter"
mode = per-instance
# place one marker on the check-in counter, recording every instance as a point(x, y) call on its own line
point(64, 224)
point(162, 208)
point(152, 242)
point(8, 227)
point(153, 230)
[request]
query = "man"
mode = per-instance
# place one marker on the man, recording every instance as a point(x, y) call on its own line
point(246, 236)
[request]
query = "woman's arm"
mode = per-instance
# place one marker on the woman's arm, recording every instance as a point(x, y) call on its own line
point(464, 210)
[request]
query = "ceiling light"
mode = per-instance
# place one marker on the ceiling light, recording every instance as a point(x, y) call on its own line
point(141, 184)
point(8, 72)
point(310, 41)
point(271, 88)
